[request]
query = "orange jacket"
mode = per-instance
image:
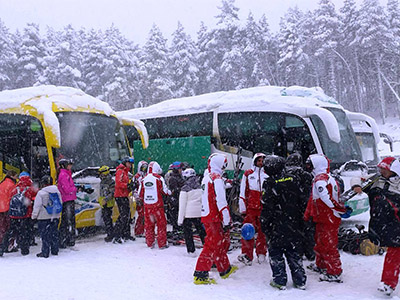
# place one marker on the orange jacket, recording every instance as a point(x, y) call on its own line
point(6, 188)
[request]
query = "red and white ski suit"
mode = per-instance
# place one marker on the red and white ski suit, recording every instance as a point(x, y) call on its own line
point(215, 215)
point(151, 190)
point(324, 208)
point(139, 226)
point(250, 204)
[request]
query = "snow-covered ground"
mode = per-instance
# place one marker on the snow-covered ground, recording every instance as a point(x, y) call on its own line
point(99, 270)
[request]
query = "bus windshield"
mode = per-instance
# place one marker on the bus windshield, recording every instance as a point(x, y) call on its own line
point(368, 147)
point(268, 132)
point(91, 140)
point(347, 149)
point(22, 145)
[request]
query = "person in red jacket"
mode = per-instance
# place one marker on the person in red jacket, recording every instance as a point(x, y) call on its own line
point(122, 229)
point(142, 171)
point(216, 219)
point(151, 190)
point(6, 187)
point(19, 225)
point(324, 208)
point(250, 205)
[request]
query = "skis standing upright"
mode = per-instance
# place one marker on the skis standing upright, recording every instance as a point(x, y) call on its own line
point(233, 197)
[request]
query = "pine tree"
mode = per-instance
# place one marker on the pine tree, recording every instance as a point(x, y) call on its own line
point(183, 67)
point(7, 58)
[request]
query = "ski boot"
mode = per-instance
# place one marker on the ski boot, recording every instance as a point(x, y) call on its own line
point(277, 286)
point(313, 267)
point(300, 286)
point(201, 277)
point(232, 269)
point(243, 258)
point(385, 289)
point(330, 278)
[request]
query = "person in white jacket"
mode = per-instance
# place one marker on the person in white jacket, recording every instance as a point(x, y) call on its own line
point(190, 209)
point(47, 223)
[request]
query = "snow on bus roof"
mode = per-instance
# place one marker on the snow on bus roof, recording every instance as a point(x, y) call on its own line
point(251, 99)
point(43, 97)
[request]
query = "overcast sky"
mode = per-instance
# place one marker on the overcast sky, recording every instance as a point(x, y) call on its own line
point(135, 17)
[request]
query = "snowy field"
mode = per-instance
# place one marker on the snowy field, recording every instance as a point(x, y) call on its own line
point(99, 270)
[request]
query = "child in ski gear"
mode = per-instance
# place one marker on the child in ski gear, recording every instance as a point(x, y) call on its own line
point(282, 222)
point(294, 165)
point(47, 223)
point(122, 229)
point(67, 190)
point(106, 200)
point(216, 219)
point(190, 208)
point(142, 171)
point(175, 184)
point(324, 208)
point(151, 191)
point(19, 225)
point(384, 224)
point(250, 205)
point(6, 187)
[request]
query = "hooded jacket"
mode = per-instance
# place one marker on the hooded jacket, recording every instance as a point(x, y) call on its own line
point(153, 187)
point(121, 182)
point(323, 205)
point(190, 200)
point(66, 185)
point(25, 182)
point(251, 187)
point(6, 187)
point(42, 200)
point(214, 205)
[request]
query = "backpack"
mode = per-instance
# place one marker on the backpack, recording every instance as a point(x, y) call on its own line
point(18, 208)
point(54, 206)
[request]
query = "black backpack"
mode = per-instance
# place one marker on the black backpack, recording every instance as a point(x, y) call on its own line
point(18, 207)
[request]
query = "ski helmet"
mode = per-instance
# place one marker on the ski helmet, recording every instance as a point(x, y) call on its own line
point(127, 159)
point(189, 172)
point(46, 180)
point(64, 162)
point(248, 231)
point(104, 170)
point(273, 165)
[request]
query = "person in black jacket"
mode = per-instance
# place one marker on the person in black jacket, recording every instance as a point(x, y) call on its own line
point(384, 224)
point(294, 165)
point(175, 184)
point(282, 222)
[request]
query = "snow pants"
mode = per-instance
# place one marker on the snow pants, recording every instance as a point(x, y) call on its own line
point(4, 224)
point(253, 217)
point(139, 226)
point(106, 215)
point(294, 259)
point(49, 235)
point(188, 232)
point(214, 250)
point(18, 229)
point(152, 217)
point(67, 225)
point(122, 228)
point(391, 267)
point(327, 255)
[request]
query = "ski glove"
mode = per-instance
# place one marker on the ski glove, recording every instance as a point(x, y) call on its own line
point(348, 212)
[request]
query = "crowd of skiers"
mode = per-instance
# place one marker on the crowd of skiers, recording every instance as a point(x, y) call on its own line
point(295, 209)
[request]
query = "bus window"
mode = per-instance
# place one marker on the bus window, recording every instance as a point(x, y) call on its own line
point(90, 139)
point(22, 145)
point(180, 126)
point(268, 132)
point(347, 149)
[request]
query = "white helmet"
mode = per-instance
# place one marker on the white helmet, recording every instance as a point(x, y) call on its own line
point(189, 172)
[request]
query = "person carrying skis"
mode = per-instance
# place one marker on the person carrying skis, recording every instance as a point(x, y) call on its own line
point(324, 209)
point(122, 229)
point(106, 200)
point(216, 219)
point(67, 189)
point(294, 165)
point(250, 205)
point(151, 191)
point(384, 224)
point(141, 173)
point(282, 222)
point(190, 209)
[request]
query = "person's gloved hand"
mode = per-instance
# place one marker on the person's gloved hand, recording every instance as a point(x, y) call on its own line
point(348, 212)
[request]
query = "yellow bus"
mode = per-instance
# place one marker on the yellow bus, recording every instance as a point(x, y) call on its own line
point(40, 125)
